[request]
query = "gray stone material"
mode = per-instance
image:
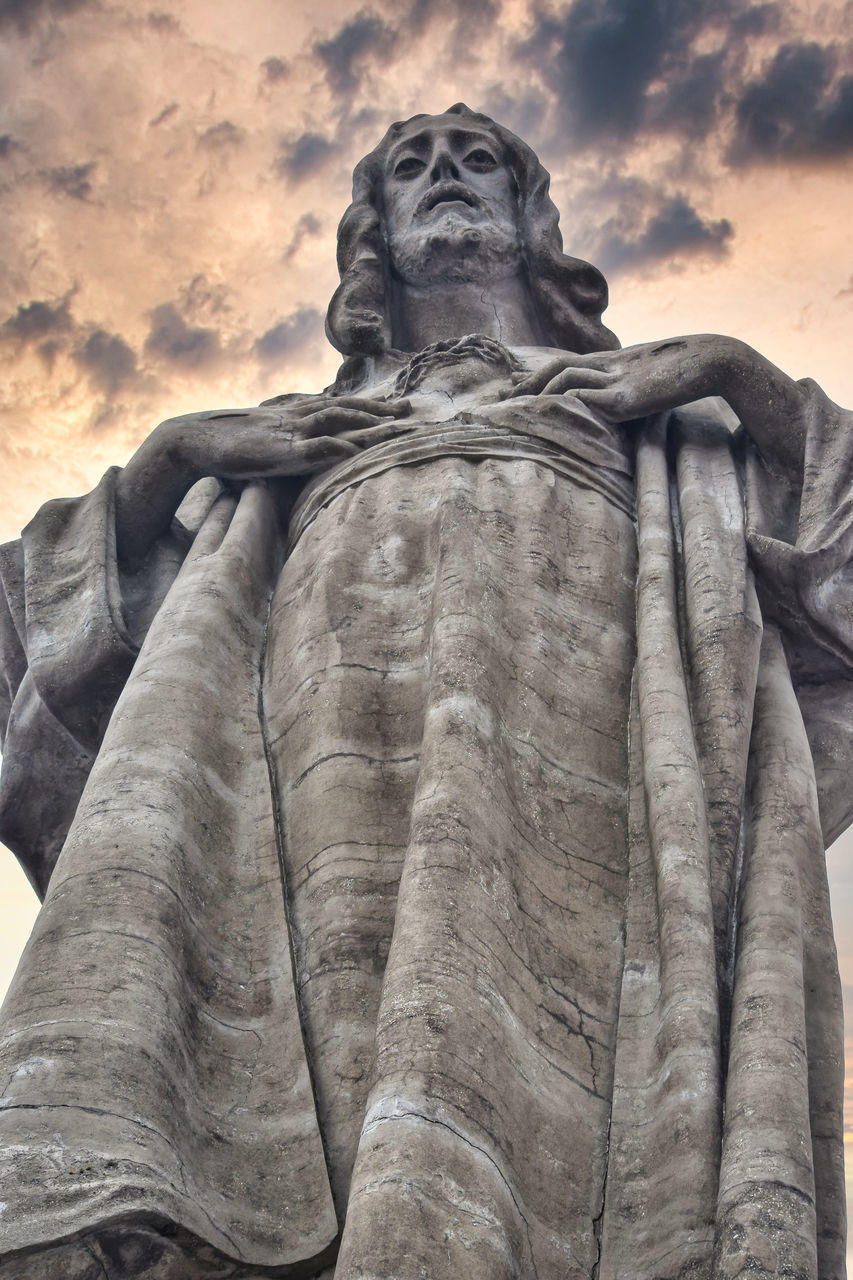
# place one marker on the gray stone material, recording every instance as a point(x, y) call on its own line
point(428, 782)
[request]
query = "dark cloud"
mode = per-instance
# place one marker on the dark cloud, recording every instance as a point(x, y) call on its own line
point(24, 14)
point(463, 13)
point(520, 112)
point(223, 134)
point(673, 230)
point(367, 117)
point(298, 159)
point(204, 298)
point(71, 180)
point(757, 20)
point(172, 338)
point(49, 350)
point(626, 69)
point(345, 53)
point(46, 327)
point(290, 334)
point(796, 109)
point(308, 225)
point(7, 145)
point(107, 359)
point(690, 103)
point(607, 60)
point(161, 117)
point(601, 57)
point(35, 321)
point(275, 69)
point(420, 15)
point(166, 23)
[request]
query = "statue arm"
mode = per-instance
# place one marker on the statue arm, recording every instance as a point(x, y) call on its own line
point(657, 376)
point(300, 436)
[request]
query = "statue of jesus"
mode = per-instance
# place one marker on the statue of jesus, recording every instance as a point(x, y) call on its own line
point(428, 782)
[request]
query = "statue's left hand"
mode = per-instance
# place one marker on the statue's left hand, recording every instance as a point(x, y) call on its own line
point(636, 381)
point(656, 376)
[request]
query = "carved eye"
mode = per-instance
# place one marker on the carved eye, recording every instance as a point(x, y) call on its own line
point(479, 158)
point(408, 167)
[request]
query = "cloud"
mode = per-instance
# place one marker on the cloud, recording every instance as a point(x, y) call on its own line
point(343, 55)
point(24, 14)
point(172, 338)
point(467, 14)
point(163, 22)
point(162, 116)
point(291, 333)
point(299, 158)
point(218, 136)
point(796, 109)
point(600, 58)
point(49, 327)
point(107, 359)
point(690, 103)
point(673, 230)
point(308, 225)
point(37, 320)
point(620, 67)
point(521, 112)
point(756, 20)
point(71, 180)
point(275, 69)
point(203, 298)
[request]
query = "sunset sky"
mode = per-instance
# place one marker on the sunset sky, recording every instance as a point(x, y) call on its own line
point(172, 178)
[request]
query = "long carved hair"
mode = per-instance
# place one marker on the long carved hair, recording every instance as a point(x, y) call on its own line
point(569, 294)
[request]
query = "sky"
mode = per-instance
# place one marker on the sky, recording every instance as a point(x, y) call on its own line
point(172, 176)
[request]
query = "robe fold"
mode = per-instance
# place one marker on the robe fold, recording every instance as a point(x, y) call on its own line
point(435, 886)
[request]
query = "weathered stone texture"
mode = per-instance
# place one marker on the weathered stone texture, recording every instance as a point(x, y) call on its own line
point(430, 822)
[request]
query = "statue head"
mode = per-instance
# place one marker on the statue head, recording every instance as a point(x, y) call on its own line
point(456, 198)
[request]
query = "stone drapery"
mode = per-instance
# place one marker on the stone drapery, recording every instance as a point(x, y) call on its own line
point(183, 1094)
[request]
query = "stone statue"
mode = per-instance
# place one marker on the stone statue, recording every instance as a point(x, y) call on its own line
point(430, 816)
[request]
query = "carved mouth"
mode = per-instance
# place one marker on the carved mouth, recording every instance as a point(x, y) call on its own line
point(447, 192)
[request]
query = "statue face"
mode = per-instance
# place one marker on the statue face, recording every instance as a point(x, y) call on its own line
point(450, 204)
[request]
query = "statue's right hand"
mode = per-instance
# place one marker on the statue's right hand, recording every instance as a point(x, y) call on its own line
point(292, 439)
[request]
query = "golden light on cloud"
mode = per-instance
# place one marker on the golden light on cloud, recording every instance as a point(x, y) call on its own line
point(150, 162)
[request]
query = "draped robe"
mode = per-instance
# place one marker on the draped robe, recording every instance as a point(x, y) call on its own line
point(451, 865)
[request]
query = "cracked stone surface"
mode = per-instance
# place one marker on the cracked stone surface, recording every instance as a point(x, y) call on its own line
point(427, 783)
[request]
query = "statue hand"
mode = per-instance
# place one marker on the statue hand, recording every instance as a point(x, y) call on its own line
point(293, 439)
point(640, 380)
point(656, 376)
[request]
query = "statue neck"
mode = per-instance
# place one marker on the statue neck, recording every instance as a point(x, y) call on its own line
point(438, 312)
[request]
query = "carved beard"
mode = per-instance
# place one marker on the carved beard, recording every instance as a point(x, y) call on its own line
point(454, 249)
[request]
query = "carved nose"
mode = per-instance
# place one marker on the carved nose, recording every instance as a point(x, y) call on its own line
point(444, 167)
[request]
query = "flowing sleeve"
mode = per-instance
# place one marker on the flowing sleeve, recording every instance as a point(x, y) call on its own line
point(800, 535)
point(71, 625)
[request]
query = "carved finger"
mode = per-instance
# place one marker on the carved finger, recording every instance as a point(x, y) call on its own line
point(375, 435)
point(381, 408)
point(322, 451)
point(532, 383)
point(607, 402)
point(572, 378)
point(334, 419)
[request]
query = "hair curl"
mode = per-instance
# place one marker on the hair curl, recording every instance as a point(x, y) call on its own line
point(569, 294)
